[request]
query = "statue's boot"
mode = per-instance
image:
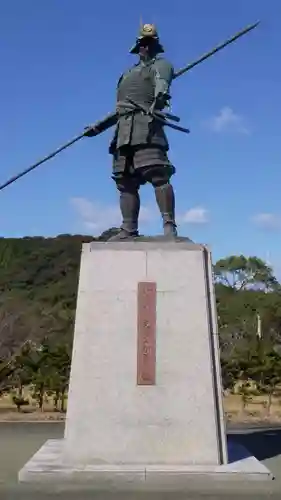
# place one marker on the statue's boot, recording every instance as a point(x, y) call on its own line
point(165, 198)
point(130, 208)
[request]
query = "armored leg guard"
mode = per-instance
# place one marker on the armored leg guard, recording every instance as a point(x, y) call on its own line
point(166, 202)
point(130, 207)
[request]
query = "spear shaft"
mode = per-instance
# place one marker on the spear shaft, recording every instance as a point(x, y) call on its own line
point(215, 50)
point(40, 162)
point(99, 127)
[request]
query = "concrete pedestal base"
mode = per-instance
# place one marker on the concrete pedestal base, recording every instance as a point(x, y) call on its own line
point(145, 382)
point(47, 466)
point(145, 399)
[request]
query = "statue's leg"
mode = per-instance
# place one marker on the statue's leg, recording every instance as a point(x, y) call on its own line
point(128, 187)
point(129, 205)
point(155, 168)
point(165, 198)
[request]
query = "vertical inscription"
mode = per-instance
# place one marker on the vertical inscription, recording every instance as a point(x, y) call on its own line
point(146, 349)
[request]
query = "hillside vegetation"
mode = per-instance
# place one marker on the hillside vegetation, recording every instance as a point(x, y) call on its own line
point(38, 287)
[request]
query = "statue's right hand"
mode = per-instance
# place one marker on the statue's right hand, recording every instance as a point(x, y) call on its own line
point(90, 131)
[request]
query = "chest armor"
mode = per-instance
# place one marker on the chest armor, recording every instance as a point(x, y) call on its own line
point(137, 84)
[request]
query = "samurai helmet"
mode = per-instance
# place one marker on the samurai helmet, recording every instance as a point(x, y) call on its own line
point(147, 31)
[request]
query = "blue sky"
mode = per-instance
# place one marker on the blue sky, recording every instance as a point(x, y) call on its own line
point(60, 63)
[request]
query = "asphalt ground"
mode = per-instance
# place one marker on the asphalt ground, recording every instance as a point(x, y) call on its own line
point(19, 441)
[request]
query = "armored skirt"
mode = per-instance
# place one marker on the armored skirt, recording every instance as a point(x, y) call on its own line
point(132, 160)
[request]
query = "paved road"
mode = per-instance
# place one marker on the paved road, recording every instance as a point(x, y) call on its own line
point(18, 442)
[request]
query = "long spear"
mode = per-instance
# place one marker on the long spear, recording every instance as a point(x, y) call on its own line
point(112, 118)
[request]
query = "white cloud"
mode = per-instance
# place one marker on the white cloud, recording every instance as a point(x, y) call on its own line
point(228, 120)
point(98, 217)
point(95, 216)
point(196, 215)
point(267, 220)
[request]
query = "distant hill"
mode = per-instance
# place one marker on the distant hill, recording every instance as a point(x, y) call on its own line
point(38, 289)
point(38, 285)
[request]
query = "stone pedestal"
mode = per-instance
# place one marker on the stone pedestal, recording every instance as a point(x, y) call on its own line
point(145, 397)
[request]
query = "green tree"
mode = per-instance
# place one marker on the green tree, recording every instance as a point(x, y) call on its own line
point(50, 372)
point(265, 369)
point(22, 373)
point(230, 372)
point(14, 370)
point(19, 401)
point(246, 289)
point(240, 273)
point(59, 371)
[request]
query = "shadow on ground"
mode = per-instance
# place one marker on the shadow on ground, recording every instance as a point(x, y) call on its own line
point(262, 443)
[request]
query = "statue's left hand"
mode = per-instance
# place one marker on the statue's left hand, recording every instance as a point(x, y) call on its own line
point(159, 103)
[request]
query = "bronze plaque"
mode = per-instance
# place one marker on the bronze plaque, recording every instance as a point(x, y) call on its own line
point(146, 357)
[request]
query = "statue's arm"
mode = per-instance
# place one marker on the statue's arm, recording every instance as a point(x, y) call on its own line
point(119, 81)
point(163, 74)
